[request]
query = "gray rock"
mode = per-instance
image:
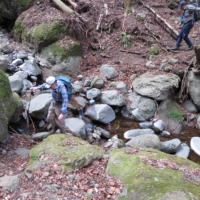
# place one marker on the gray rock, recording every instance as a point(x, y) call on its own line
point(137, 115)
point(93, 93)
point(121, 86)
point(22, 74)
point(104, 133)
point(136, 132)
point(77, 87)
point(109, 71)
point(87, 83)
point(141, 16)
point(159, 126)
point(133, 76)
point(76, 103)
point(157, 87)
point(165, 134)
point(16, 83)
point(76, 125)
point(172, 61)
point(21, 56)
point(10, 183)
point(34, 78)
point(195, 145)
point(146, 125)
point(3, 63)
point(26, 86)
point(17, 62)
point(150, 65)
point(111, 97)
point(147, 141)
point(36, 165)
point(171, 146)
point(101, 112)
point(198, 122)
point(6, 49)
point(189, 106)
point(184, 151)
point(30, 177)
point(108, 144)
point(23, 152)
point(41, 124)
point(40, 136)
point(97, 82)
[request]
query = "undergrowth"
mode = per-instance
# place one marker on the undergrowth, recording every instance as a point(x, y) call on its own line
point(176, 115)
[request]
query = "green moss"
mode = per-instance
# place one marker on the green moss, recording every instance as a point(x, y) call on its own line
point(19, 29)
point(25, 3)
point(154, 50)
point(5, 90)
point(140, 18)
point(176, 115)
point(145, 181)
point(58, 51)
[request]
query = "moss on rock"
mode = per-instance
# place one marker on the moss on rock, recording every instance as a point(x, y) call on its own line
point(71, 152)
point(147, 182)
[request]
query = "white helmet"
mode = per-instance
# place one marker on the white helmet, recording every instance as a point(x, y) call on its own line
point(49, 81)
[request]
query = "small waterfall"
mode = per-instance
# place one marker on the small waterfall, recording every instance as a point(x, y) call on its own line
point(80, 113)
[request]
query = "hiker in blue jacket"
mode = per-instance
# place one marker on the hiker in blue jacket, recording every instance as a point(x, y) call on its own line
point(59, 103)
point(188, 22)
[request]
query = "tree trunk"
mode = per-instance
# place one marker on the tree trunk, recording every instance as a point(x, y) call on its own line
point(67, 10)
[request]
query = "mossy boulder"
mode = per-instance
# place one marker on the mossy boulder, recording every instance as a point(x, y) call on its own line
point(141, 17)
point(71, 152)
point(11, 9)
point(62, 57)
point(7, 104)
point(37, 36)
point(171, 4)
point(151, 174)
point(154, 50)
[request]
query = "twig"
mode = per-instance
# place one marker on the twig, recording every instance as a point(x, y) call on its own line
point(99, 22)
point(13, 129)
point(32, 123)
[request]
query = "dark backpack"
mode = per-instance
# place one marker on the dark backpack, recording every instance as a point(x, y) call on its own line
point(67, 84)
point(196, 13)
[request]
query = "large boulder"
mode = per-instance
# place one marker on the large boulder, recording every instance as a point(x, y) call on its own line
point(11, 9)
point(152, 174)
point(171, 125)
point(38, 107)
point(100, 112)
point(113, 98)
point(194, 88)
point(36, 36)
point(157, 87)
point(142, 106)
point(63, 58)
point(71, 152)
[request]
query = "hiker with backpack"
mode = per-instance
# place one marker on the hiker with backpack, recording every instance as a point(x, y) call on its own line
point(59, 103)
point(190, 15)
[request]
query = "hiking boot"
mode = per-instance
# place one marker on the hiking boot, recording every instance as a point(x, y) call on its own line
point(53, 130)
point(175, 48)
point(189, 48)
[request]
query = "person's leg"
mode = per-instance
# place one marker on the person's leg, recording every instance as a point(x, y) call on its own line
point(51, 118)
point(60, 123)
point(186, 32)
point(179, 39)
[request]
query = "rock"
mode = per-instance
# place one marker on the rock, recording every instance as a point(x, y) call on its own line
point(76, 103)
point(41, 124)
point(72, 152)
point(113, 98)
point(121, 86)
point(16, 83)
point(150, 65)
point(26, 86)
point(93, 93)
point(159, 126)
point(119, 62)
point(77, 126)
point(39, 106)
point(77, 88)
point(109, 71)
point(10, 183)
point(195, 145)
point(198, 122)
point(22, 74)
point(136, 132)
point(87, 83)
point(184, 151)
point(30, 177)
point(171, 146)
point(22, 56)
point(171, 125)
point(3, 63)
point(172, 4)
point(165, 134)
point(152, 57)
point(128, 163)
point(6, 49)
point(34, 78)
point(17, 62)
point(166, 67)
point(40, 136)
point(189, 106)
point(101, 112)
point(146, 125)
point(133, 76)
point(172, 61)
point(141, 108)
point(157, 87)
point(97, 82)
point(23, 152)
point(154, 50)
point(108, 144)
point(31, 67)
point(140, 16)
point(147, 141)
point(104, 133)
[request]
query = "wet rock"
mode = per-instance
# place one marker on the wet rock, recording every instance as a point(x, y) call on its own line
point(101, 112)
point(184, 151)
point(6, 49)
point(111, 97)
point(109, 71)
point(3, 63)
point(189, 106)
point(171, 146)
point(97, 82)
point(195, 145)
point(159, 126)
point(136, 132)
point(93, 93)
point(16, 83)
point(40, 136)
point(147, 141)
point(146, 125)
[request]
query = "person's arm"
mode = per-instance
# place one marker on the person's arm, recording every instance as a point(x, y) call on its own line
point(39, 87)
point(64, 102)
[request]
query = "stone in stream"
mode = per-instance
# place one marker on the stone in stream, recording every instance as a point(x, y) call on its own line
point(146, 125)
point(159, 126)
point(195, 145)
point(184, 151)
point(171, 146)
point(136, 132)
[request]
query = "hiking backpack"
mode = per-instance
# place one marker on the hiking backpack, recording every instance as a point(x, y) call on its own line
point(67, 84)
point(196, 13)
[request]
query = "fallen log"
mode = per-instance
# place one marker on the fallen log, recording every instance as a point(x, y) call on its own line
point(162, 21)
point(73, 3)
point(67, 10)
